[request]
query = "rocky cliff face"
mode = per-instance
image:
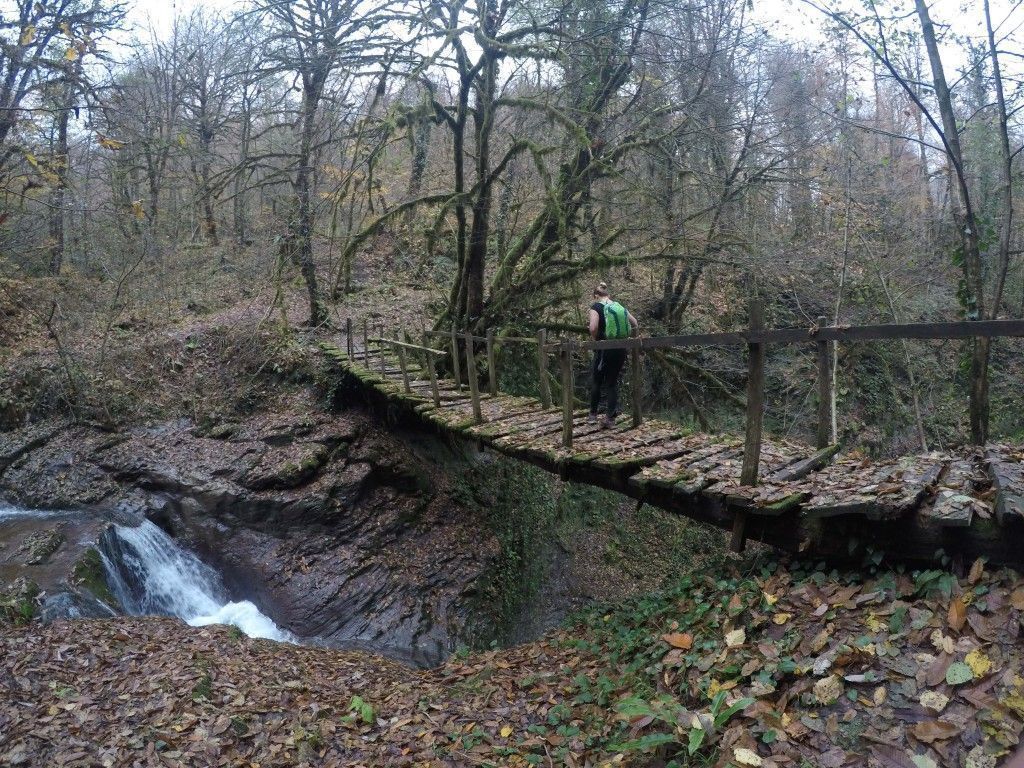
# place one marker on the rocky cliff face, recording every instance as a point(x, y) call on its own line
point(337, 531)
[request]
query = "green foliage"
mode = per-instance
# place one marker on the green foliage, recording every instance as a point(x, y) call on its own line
point(360, 710)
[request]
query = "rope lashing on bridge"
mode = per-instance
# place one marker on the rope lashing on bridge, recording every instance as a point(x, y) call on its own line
point(769, 489)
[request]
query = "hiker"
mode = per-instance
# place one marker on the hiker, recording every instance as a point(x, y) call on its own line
point(608, 320)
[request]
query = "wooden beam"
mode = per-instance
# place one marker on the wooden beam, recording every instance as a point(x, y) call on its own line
point(565, 361)
point(636, 386)
point(492, 369)
point(402, 363)
point(755, 418)
point(824, 390)
point(456, 372)
point(474, 387)
point(542, 369)
point(348, 338)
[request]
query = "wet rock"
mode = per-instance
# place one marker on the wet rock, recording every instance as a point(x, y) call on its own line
point(336, 530)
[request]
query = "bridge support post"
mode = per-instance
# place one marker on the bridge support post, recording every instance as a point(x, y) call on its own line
point(636, 379)
point(402, 362)
point(542, 369)
point(492, 368)
point(565, 359)
point(474, 386)
point(349, 346)
point(456, 365)
point(755, 416)
point(428, 360)
point(825, 395)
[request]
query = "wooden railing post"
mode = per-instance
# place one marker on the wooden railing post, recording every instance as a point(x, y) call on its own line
point(366, 344)
point(542, 369)
point(565, 360)
point(349, 346)
point(492, 369)
point(402, 362)
point(432, 373)
point(637, 383)
point(755, 418)
point(456, 365)
point(383, 363)
point(824, 389)
point(474, 388)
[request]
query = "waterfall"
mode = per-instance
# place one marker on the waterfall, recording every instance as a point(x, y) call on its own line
point(150, 574)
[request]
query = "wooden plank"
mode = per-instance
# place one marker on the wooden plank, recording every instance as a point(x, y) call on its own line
point(1007, 475)
point(955, 502)
point(800, 469)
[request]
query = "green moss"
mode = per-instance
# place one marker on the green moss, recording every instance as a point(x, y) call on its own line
point(89, 574)
point(18, 602)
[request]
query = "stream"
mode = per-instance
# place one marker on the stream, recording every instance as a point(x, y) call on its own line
point(150, 574)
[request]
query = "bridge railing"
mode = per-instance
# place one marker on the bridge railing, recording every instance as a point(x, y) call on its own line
point(755, 337)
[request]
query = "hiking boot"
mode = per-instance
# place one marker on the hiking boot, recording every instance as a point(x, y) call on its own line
point(592, 418)
point(607, 422)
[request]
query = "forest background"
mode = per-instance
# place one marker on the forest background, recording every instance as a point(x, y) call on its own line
point(483, 163)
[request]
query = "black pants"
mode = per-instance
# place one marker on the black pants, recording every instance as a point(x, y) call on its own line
point(607, 367)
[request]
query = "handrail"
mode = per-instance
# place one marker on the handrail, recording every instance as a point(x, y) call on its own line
point(407, 345)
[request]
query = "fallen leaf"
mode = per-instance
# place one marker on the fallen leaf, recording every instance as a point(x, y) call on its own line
point(957, 616)
point(934, 730)
point(934, 701)
point(745, 756)
point(828, 689)
point(781, 618)
point(736, 637)
point(959, 673)
point(977, 570)
point(979, 663)
point(682, 640)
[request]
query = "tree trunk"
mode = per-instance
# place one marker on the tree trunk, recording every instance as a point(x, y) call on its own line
point(61, 164)
point(966, 222)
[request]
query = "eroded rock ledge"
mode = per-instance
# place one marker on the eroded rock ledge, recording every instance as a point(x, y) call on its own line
point(337, 530)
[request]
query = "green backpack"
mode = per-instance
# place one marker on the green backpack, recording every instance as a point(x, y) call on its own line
point(616, 321)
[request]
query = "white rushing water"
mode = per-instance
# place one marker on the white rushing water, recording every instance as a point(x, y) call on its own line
point(150, 574)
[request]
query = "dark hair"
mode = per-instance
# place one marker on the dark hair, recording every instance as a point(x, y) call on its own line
point(601, 291)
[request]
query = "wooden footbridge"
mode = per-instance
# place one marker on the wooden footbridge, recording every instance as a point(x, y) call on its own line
point(815, 500)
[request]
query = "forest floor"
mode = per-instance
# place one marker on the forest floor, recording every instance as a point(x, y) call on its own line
point(775, 667)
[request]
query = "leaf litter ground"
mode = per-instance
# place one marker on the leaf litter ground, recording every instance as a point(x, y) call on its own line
point(899, 670)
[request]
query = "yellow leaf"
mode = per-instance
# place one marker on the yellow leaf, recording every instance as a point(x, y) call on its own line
point(770, 599)
point(875, 624)
point(934, 701)
point(71, 53)
point(879, 696)
point(828, 689)
point(28, 35)
point(108, 143)
point(138, 210)
point(781, 618)
point(736, 637)
point(506, 731)
point(976, 571)
point(744, 756)
point(979, 663)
